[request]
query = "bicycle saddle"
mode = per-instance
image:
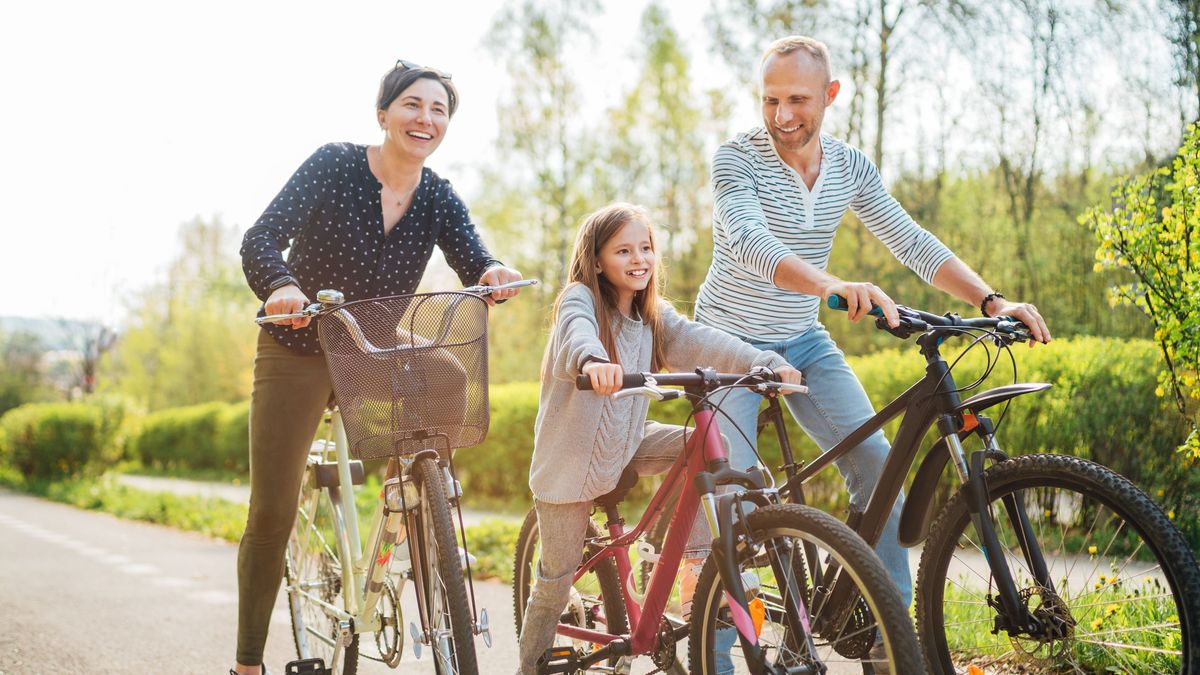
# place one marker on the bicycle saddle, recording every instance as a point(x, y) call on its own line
point(625, 483)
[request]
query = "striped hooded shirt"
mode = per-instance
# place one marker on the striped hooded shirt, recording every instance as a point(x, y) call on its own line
point(764, 212)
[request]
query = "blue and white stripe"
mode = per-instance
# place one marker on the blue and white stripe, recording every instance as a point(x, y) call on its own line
point(764, 212)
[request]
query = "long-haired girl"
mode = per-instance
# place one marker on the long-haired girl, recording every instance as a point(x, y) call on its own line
point(608, 319)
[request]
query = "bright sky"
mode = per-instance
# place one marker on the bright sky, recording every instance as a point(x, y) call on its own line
point(122, 120)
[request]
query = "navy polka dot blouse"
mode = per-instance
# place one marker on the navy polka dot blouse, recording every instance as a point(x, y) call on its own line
point(330, 216)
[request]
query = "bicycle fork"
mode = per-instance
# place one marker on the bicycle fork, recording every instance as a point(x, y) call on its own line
point(1013, 613)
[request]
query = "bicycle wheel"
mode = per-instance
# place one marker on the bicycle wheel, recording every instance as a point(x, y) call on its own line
point(1125, 590)
point(596, 601)
point(448, 614)
point(313, 574)
point(789, 554)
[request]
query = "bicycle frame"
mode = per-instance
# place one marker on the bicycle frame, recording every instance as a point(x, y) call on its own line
point(363, 577)
point(932, 401)
point(704, 462)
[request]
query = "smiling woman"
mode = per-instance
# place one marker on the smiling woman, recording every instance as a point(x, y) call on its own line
point(363, 220)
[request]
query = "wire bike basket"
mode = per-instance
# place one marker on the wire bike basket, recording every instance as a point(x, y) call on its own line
point(409, 372)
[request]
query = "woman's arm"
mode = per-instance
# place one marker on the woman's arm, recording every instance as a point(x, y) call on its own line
point(285, 218)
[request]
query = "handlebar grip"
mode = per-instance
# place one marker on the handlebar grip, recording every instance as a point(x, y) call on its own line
point(839, 303)
point(628, 381)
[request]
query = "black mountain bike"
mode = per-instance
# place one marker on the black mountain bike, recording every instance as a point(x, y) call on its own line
point(1037, 562)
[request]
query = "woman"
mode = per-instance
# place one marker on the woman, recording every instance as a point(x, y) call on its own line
point(363, 220)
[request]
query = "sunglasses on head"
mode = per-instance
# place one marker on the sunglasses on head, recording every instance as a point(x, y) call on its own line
point(409, 65)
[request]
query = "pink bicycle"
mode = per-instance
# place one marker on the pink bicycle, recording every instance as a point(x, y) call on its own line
point(762, 603)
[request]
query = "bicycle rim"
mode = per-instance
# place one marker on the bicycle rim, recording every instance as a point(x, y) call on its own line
point(595, 601)
point(794, 553)
point(1122, 589)
point(313, 575)
point(448, 615)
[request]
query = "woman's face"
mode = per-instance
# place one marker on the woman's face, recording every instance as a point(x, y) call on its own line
point(415, 122)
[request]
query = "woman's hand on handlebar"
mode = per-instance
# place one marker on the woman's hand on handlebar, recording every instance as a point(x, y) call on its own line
point(498, 276)
point(287, 300)
point(859, 298)
point(605, 377)
point(1026, 314)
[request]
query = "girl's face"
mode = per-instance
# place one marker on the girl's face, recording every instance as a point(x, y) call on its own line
point(416, 121)
point(626, 260)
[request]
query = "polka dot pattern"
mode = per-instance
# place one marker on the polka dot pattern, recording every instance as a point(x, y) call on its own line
point(330, 217)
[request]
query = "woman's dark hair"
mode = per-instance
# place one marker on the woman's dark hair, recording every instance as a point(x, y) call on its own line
point(396, 80)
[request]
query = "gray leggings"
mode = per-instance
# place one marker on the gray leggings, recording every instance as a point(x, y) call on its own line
point(562, 529)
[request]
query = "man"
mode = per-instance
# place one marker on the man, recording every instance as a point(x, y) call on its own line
point(780, 191)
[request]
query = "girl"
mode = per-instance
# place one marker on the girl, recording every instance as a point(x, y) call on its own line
point(609, 319)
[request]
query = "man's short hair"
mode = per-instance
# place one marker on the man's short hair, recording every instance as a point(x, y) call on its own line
point(815, 49)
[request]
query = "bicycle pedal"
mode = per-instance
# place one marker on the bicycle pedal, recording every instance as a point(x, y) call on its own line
point(558, 660)
point(306, 667)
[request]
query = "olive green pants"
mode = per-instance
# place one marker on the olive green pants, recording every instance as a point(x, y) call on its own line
point(289, 395)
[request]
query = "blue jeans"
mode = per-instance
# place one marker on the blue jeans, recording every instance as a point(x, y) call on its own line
point(835, 405)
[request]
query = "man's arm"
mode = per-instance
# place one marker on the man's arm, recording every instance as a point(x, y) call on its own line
point(955, 278)
point(794, 274)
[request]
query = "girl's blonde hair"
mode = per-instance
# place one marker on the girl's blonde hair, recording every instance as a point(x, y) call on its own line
point(596, 230)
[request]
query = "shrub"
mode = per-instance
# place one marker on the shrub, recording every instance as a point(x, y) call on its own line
point(232, 445)
point(181, 437)
point(51, 440)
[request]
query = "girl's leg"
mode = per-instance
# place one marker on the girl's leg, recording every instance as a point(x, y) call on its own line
point(290, 392)
point(562, 529)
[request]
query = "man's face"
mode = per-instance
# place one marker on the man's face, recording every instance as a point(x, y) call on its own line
point(795, 92)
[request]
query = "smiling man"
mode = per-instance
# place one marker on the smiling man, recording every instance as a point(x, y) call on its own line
point(780, 191)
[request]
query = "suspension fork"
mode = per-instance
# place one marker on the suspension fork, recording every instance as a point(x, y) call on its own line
point(1014, 615)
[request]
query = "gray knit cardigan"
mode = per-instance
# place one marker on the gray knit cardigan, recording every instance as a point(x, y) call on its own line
point(583, 441)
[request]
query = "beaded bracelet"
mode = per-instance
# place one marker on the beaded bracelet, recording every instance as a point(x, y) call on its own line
point(988, 298)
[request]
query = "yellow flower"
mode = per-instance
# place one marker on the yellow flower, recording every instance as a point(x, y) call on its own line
point(1092, 550)
point(1160, 492)
point(1171, 514)
point(1111, 609)
point(1097, 623)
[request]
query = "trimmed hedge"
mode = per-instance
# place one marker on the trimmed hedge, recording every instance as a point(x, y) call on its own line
point(205, 436)
point(51, 440)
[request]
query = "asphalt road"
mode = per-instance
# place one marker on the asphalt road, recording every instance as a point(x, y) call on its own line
point(84, 592)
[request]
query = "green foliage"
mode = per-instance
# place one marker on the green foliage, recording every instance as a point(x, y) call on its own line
point(1152, 231)
point(21, 377)
point(53, 440)
point(498, 469)
point(493, 543)
point(205, 436)
point(190, 338)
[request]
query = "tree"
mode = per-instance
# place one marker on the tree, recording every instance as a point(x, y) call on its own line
point(545, 146)
point(870, 37)
point(1184, 34)
point(1152, 230)
point(190, 338)
point(21, 376)
point(656, 155)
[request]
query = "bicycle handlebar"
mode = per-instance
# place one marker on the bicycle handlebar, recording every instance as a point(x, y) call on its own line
point(917, 321)
point(317, 308)
point(701, 377)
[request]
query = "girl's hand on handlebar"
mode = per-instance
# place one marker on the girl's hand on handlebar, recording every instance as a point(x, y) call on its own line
point(859, 297)
point(286, 300)
point(1026, 314)
point(497, 276)
point(605, 377)
point(789, 375)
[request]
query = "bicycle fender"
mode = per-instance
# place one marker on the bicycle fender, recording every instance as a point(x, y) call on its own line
point(917, 515)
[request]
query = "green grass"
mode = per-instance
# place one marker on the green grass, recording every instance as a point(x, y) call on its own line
point(1110, 611)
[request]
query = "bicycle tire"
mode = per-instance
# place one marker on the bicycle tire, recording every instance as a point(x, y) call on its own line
point(1083, 486)
point(310, 563)
point(600, 590)
point(446, 590)
point(791, 529)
